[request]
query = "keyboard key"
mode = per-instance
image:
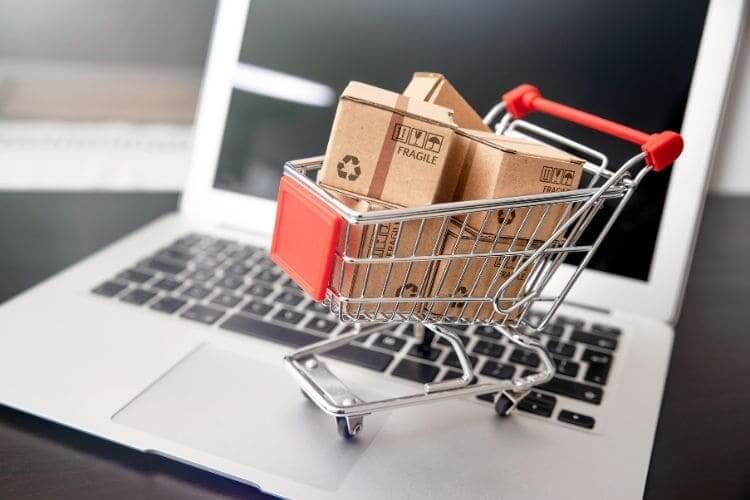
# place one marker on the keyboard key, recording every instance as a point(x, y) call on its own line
point(525, 357)
point(360, 356)
point(175, 253)
point(258, 290)
point(202, 274)
point(109, 288)
point(164, 266)
point(452, 360)
point(531, 406)
point(566, 367)
point(582, 392)
point(268, 331)
point(203, 314)
point(453, 374)
point(561, 348)
point(226, 300)
point(138, 296)
point(265, 261)
point(389, 342)
point(578, 419)
point(597, 373)
point(209, 262)
point(289, 297)
point(490, 398)
point(167, 284)
point(408, 330)
point(496, 370)
point(196, 292)
point(489, 349)
point(595, 340)
point(230, 282)
point(257, 308)
point(541, 398)
point(135, 276)
point(238, 269)
point(321, 325)
point(289, 316)
point(318, 307)
point(489, 332)
point(168, 305)
point(416, 371)
point(592, 356)
point(606, 329)
point(553, 330)
point(464, 340)
point(188, 240)
point(268, 275)
point(429, 353)
point(565, 320)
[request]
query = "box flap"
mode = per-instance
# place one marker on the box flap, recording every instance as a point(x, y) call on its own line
point(391, 101)
point(519, 145)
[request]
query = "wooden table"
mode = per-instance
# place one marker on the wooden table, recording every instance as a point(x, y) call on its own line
point(702, 447)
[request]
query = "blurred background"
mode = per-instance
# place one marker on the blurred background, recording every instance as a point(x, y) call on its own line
point(101, 94)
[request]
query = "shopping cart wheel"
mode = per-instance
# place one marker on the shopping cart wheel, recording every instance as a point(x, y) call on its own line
point(504, 405)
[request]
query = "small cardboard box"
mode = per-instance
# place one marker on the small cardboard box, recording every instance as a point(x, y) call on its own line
point(500, 167)
point(435, 88)
point(476, 277)
point(387, 281)
point(390, 148)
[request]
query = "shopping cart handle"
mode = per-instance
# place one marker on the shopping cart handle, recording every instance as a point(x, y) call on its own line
point(661, 149)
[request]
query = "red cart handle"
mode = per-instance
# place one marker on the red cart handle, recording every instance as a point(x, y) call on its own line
point(661, 149)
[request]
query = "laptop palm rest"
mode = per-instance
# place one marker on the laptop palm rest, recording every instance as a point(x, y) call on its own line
point(247, 411)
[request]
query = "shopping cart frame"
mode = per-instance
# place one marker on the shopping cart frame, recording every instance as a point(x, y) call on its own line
point(332, 396)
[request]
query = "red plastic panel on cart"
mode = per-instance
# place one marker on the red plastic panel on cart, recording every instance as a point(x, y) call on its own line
point(304, 238)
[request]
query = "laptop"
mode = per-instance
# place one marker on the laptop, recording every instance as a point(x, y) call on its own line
point(171, 340)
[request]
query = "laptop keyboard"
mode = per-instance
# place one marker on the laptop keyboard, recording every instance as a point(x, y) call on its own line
point(238, 288)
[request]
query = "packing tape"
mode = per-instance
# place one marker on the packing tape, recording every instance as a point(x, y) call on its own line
point(386, 151)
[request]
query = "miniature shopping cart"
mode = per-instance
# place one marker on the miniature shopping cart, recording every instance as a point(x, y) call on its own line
point(326, 244)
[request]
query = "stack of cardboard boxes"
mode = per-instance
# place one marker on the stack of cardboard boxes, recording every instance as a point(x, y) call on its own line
point(422, 147)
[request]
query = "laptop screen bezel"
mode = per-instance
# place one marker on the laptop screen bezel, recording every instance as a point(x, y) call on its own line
point(659, 297)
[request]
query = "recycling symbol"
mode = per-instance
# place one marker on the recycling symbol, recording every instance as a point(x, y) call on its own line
point(506, 216)
point(348, 168)
point(461, 292)
point(408, 290)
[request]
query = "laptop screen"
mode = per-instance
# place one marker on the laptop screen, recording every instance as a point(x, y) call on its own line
point(628, 61)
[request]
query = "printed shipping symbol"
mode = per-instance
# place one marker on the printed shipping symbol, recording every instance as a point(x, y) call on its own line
point(408, 290)
point(348, 168)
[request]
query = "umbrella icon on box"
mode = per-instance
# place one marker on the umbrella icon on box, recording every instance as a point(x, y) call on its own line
point(433, 143)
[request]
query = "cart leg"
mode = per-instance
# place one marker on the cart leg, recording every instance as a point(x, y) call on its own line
point(424, 337)
point(507, 401)
point(349, 427)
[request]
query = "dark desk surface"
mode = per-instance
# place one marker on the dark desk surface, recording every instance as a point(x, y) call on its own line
point(702, 447)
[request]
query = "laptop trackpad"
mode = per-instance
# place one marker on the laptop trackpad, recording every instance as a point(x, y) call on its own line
point(250, 412)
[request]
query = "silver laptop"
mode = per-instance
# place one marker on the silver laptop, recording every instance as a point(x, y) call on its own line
point(170, 341)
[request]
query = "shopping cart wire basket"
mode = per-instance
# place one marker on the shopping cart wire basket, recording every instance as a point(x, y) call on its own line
point(430, 267)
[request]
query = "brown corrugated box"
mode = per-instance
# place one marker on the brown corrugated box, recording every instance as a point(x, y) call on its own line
point(480, 278)
point(401, 279)
point(499, 167)
point(435, 88)
point(390, 148)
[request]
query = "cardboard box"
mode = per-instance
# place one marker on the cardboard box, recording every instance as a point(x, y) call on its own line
point(388, 147)
point(384, 280)
point(476, 277)
point(435, 88)
point(500, 167)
